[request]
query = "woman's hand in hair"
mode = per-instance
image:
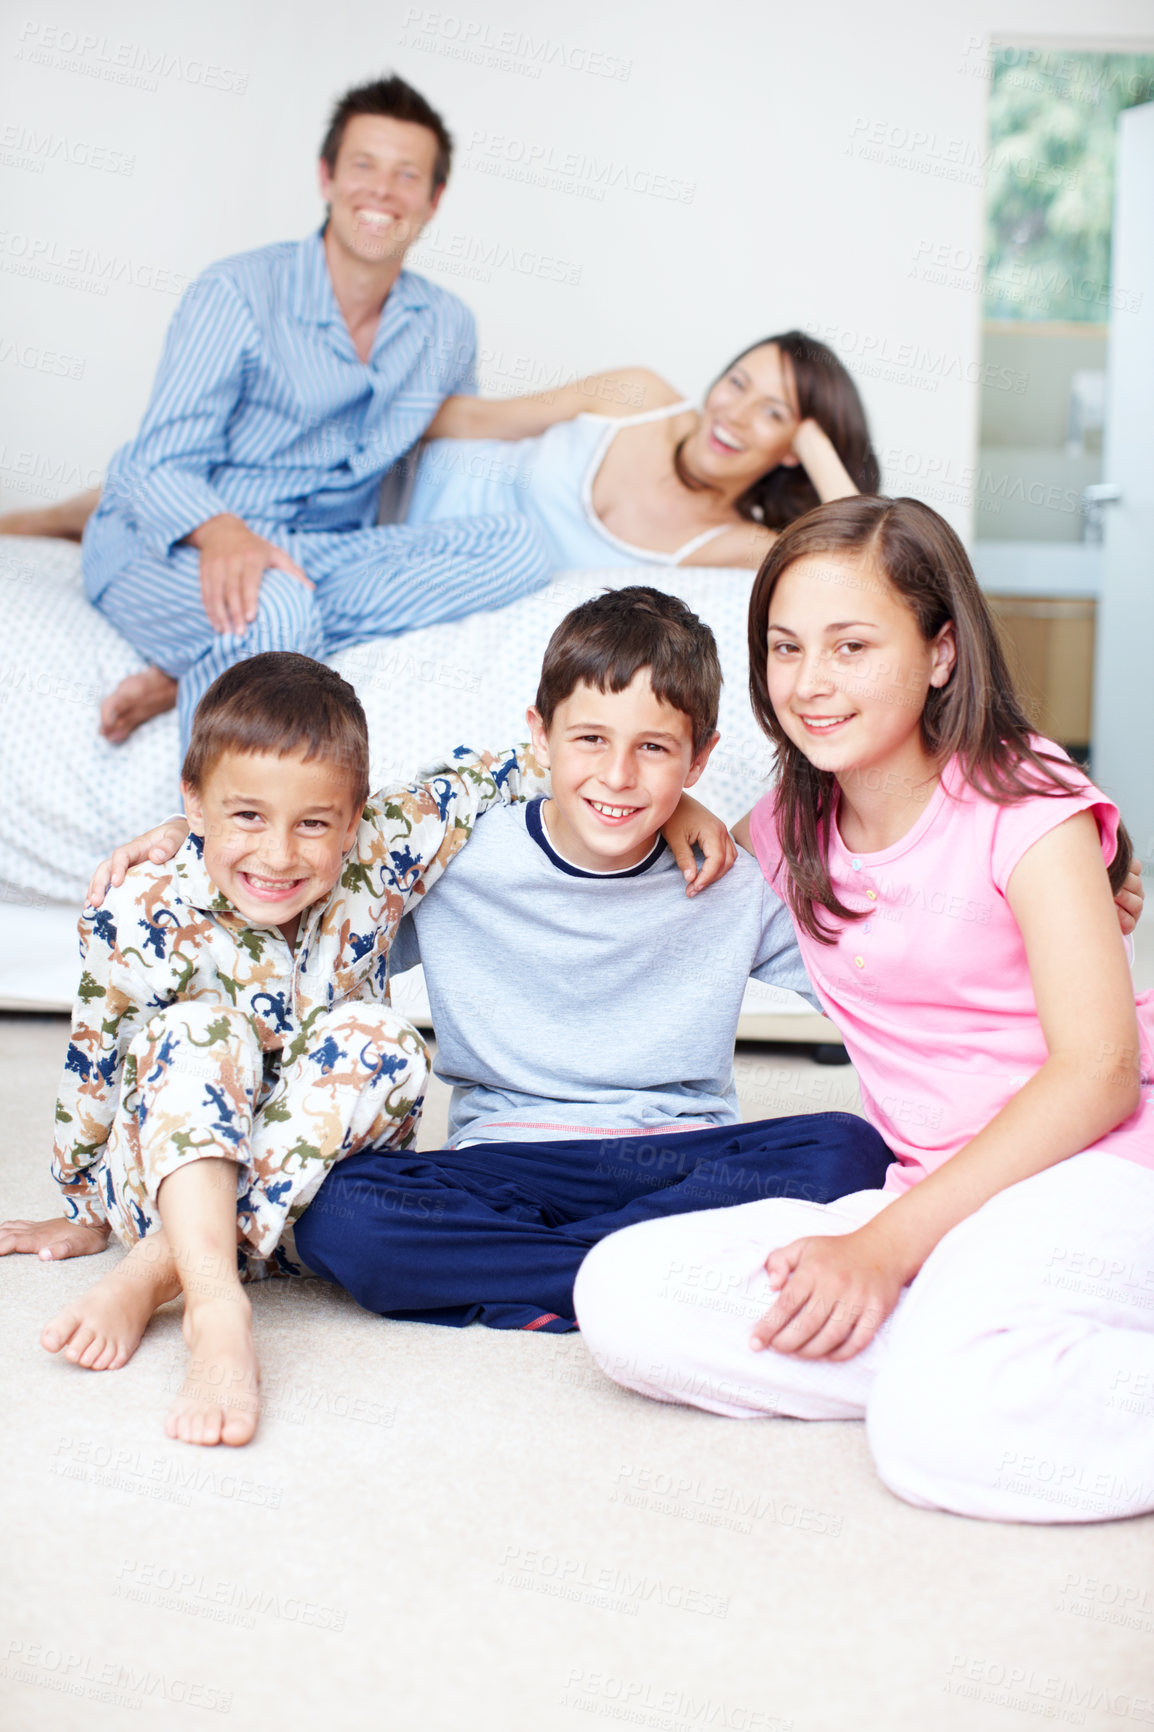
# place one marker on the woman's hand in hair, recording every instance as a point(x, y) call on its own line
point(814, 450)
point(158, 845)
point(1131, 898)
point(833, 1295)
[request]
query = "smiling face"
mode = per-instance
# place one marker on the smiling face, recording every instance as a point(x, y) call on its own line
point(275, 832)
point(848, 670)
point(618, 762)
point(748, 424)
point(380, 194)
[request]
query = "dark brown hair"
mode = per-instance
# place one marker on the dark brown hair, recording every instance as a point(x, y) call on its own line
point(976, 715)
point(827, 394)
point(606, 642)
point(395, 100)
point(285, 704)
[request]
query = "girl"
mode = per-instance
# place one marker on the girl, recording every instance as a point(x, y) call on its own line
point(990, 1313)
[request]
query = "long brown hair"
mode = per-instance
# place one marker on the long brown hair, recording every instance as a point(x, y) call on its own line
point(825, 392)
point(976, 716)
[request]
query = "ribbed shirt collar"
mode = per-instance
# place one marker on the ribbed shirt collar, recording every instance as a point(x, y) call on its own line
point(535, 824)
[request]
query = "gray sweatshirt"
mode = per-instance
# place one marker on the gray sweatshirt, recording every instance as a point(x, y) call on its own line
point(576, 1004)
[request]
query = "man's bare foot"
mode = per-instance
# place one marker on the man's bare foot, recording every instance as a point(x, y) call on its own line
point(136, 699)
point(220, 1400)
point(64, 521)
point(102, 1330)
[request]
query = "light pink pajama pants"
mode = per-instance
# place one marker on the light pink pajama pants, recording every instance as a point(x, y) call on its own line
point(1014, 1381)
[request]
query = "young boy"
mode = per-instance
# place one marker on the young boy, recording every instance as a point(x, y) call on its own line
point(585, 1011)
point(226, 1048)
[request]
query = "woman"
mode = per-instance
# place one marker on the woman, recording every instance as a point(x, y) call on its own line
point(782, 429)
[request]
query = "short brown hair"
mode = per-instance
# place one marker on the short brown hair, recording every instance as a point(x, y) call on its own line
point(607, 641)
point(395, 100)
point(285, 704)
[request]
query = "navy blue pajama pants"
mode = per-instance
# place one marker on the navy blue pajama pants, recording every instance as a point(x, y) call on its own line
point(495, 1233)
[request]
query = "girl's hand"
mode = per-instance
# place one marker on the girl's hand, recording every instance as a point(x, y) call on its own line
point(52, 1241)
point(158, 845)
point(1130, 899)
point(834, 1293)
point(692, 822)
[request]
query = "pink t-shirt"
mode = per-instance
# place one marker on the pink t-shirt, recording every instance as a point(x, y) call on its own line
point(932, 991)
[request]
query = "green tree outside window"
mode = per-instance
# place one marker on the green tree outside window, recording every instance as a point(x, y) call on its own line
point(1053, 117)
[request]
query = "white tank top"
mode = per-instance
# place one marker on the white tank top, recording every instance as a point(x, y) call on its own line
point(549, 479)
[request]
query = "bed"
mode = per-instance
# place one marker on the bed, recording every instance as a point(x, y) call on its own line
point(67, 797)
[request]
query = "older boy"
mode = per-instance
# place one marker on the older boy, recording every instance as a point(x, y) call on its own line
point(229, 1043)
point(585, 1011)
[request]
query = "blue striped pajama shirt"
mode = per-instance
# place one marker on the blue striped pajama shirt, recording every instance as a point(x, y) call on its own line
point(262, 408)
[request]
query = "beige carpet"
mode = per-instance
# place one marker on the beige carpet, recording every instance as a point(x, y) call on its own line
point(458, 1531)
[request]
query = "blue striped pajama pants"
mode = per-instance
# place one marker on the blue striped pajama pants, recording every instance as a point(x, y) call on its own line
point(369, 583)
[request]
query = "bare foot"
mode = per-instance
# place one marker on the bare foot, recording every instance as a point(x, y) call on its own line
point(65, 520)
point(102, 1330)
point(220, 1400)
point(136, 699)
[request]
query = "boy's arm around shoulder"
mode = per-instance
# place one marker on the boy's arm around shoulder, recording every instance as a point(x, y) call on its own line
point(409, 835)
point(121, 985)
point(694, 825)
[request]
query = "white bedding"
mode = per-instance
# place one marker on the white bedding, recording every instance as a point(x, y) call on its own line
point(67, 797)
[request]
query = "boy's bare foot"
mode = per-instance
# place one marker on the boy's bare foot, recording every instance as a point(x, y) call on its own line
point(53, 1240)
point(102, 1330)
point(136, 699)
point(64, 521)
point(220, 1401)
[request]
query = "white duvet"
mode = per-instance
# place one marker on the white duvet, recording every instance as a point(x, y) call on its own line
point(67, 797)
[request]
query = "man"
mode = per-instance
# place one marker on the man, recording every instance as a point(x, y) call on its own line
point(241, 517)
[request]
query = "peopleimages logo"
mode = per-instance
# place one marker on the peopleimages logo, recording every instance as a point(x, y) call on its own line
point(81, 267)
point(112, 1682)
point(547, 164)
point(475, 40)
point(24, 147)
point(34, 359)
point(115, 61)
point(461, 254)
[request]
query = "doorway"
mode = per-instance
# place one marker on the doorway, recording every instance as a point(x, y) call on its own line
point(1049, 301)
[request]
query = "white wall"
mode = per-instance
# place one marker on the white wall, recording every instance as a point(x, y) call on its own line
point(819, 156)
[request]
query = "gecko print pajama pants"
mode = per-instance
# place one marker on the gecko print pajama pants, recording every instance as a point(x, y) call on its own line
point(197, 1084)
